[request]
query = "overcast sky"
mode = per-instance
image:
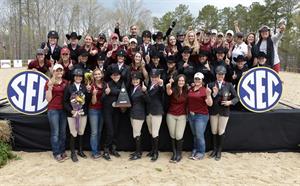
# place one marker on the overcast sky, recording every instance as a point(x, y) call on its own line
point(160, 7)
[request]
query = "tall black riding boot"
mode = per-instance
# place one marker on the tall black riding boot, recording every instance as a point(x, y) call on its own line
point(214, 151)
point(72, 148)
point(80, 148)
point(220, 146)
point(179, 150)
point(138, 151)
point(150, 154)
point(155, 149)
point(173, 158)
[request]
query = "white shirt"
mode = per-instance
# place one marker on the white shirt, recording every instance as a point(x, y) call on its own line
point(152, 86)
point(134, 89)
point(77, 86)
point(120, 65)
point(275, 38)
point(146, 48)
point(220, 84)
point(241, 49)
point(263, 46)
point(52, 48)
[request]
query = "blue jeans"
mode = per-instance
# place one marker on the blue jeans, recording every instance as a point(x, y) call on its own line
point(58, 123)
point(96, 123)
point(198, 123)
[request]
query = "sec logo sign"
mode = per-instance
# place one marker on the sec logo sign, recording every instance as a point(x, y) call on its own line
point(260, 89)
point(26, 93)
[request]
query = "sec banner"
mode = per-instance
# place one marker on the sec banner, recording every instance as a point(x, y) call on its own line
point(260, 89)
point(26, 94)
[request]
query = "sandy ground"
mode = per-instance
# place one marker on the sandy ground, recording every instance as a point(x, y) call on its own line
point(233, 169)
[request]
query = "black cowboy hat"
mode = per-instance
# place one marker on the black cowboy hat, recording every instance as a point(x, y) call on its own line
point(239, 58)
point(73, 34)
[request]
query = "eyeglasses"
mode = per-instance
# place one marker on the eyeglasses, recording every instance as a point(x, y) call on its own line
point(65, 54)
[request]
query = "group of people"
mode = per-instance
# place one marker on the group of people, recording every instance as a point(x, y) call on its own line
point(189, 77)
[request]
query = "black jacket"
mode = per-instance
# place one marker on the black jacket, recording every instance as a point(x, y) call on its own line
point(74, 53)
point(147, 51)
point(125, 73)
point(226, 88)
point(209, 75)
point(115, 89)
point(55, 54)
point(187, 71)
point(138, 104)
point(70, 89)
point(239, 74)
point(155, 100)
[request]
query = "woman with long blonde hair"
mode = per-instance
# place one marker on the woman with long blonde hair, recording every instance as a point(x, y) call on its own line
point(95, 112)
point(191, 41)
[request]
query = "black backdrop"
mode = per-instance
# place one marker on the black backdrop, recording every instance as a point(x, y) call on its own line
point(277, 130)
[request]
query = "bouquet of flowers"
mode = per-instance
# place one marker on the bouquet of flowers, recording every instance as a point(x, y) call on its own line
point(77, 101)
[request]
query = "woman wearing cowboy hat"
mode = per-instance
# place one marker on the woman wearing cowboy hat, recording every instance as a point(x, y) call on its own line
point(73, 46)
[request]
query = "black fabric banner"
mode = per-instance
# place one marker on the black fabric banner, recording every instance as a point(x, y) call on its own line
point(277, 130)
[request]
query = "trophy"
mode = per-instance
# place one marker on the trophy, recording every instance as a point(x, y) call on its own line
point(225, 96)
point(123, 99)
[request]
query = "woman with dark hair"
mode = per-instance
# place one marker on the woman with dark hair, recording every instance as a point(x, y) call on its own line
point(56, 114)
point(223, 95)
point(138, 65)
point(176, 116)
point(172, 49)
point(111, 114)
point(95, 112)
point(102, 43)
point(91, 49)
point(40, 63)
point(138, 93)
point(250, 41)
point(199, 98)
point(205, 44)
point(239, 48)
point(205, 67)
point(76, 101)
point(51, 47)
point(269, 45)
point(155, 110)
